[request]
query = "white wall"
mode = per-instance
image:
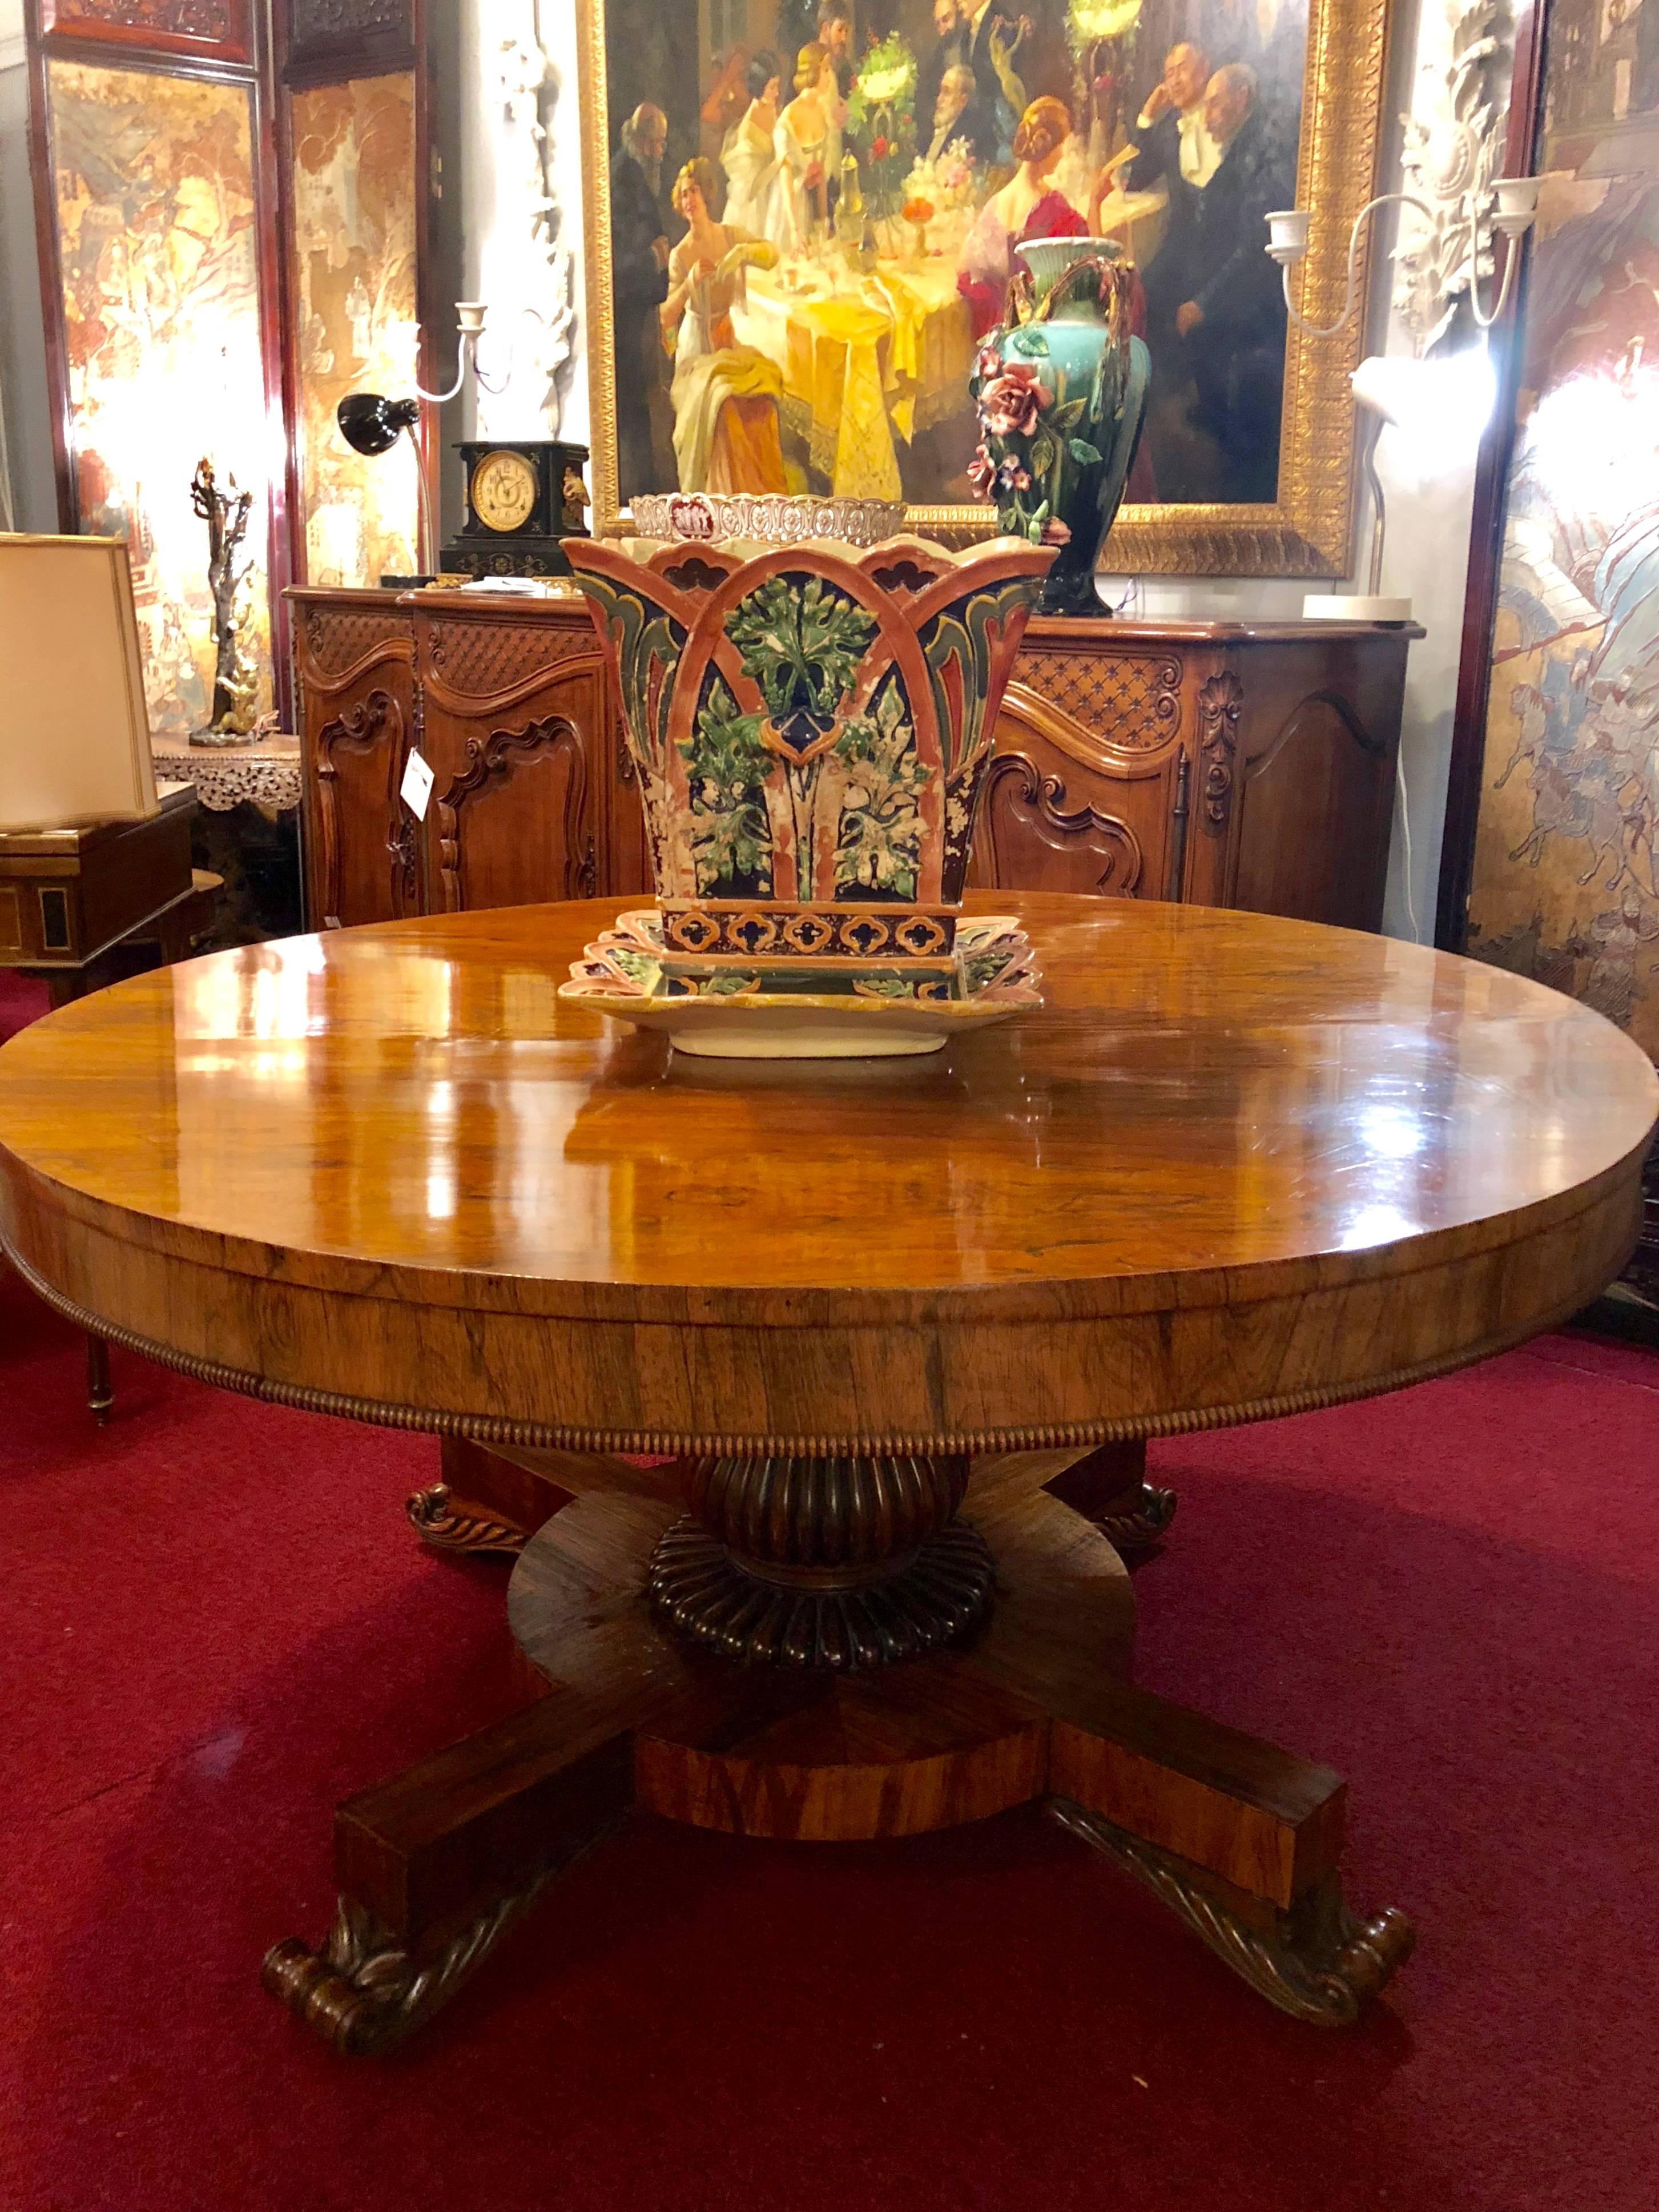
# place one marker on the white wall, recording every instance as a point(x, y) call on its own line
point(497, 264)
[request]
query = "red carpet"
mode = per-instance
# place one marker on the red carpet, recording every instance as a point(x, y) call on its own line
point(215, 1624)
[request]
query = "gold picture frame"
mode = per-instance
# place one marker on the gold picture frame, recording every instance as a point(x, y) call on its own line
point(1306, 531)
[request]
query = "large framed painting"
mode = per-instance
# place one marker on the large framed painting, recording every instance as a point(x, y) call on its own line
point(802, 218)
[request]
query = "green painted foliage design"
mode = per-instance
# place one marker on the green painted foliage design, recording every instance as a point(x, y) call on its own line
point(962, 634)
point(878, 846)
point(647, 640)
point(800, 644)
point(726, 771)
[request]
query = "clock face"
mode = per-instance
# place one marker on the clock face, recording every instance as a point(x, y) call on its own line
point(504, 490)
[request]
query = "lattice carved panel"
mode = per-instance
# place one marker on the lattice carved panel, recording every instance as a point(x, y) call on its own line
point(479, 659)
point(1132, 700)
point(337, 639)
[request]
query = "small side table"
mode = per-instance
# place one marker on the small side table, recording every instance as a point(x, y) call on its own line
point(248, 831)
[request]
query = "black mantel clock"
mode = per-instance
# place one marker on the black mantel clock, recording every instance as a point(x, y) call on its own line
point(522, 497)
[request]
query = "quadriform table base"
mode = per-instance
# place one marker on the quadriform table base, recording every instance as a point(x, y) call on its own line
point(1026, 1695)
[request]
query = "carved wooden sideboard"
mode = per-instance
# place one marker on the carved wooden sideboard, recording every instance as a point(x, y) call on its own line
point(1223, 764)
point(532, 795)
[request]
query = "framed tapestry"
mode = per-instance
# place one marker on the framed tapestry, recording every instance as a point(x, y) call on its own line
point(801, 218)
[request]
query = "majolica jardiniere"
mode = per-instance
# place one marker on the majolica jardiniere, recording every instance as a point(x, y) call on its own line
point(810, 725)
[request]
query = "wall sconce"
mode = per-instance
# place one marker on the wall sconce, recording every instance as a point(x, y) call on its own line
point(1375, 386)
point(1517, 206)
point(372, 426)
point(468, 324)
point(469, 316)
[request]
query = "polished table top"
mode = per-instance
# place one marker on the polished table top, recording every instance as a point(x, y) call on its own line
point(1210, 1108)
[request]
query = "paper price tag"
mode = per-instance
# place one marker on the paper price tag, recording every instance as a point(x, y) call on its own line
point(417, 787)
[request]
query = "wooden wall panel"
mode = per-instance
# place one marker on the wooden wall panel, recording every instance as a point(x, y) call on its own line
point(351, 186)
point(155, 220)
point(218, 29)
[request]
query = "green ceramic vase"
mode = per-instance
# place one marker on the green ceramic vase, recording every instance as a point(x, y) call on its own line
point(1062, 388)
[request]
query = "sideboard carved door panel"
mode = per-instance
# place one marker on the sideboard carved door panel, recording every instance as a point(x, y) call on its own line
point(1061, 811)
point(516, 730)
point(514, 818)
point(1315, 785)
point(357, 706)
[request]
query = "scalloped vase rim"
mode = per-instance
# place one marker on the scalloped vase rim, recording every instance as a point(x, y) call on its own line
point(1113, 248)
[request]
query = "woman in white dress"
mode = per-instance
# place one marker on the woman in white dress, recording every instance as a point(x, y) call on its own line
point(756, 193)
point(1029, 205)
point(808, 143)
point(724, 395)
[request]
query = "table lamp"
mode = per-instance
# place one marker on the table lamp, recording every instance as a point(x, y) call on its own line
point(1440, 408)
point(372, 426)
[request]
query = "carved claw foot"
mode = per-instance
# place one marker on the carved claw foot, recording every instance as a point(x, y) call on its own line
point(1140, 1516)
point(435, 1523)
point(364, 1994)
point(1316, 1962)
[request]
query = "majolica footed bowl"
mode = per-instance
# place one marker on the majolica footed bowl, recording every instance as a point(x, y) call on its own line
point(811, 726)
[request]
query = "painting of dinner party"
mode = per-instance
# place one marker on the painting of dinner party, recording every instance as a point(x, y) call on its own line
point(815, 204)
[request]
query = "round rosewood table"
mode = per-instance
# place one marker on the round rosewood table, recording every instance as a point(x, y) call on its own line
point(813, 1395)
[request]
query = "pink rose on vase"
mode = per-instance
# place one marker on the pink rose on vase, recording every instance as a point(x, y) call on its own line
point(981, 474)
point(1011, 405)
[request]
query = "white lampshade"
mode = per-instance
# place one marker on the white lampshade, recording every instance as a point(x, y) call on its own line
point(1439, 406)
point(75, 730)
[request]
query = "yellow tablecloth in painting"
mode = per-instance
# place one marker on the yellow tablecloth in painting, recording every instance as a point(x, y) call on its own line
point(883, 356)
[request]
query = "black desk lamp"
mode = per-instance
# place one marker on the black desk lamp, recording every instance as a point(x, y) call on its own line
point(371, 426)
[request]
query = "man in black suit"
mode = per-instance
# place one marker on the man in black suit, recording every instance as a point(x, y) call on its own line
point(1232, 320)
point(949, 48)
point(1271, 37)
point(1175, 151)
point(956, 119)
point(639, 285)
